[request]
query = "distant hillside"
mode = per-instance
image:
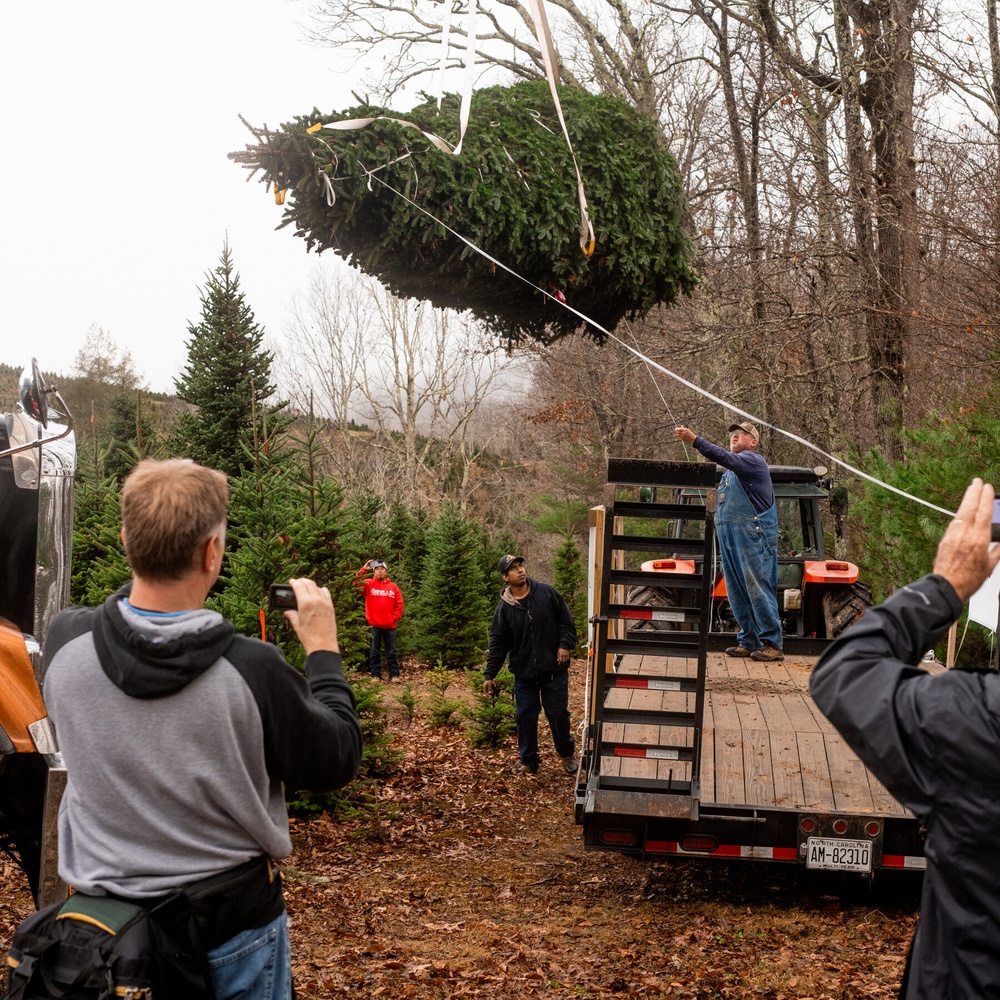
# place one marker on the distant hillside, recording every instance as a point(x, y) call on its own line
point(9, 378)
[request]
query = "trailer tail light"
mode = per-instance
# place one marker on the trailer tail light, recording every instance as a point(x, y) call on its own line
point(841, 566)
point(664, 564)
point(872, 829)
point(808, 826)
point(840, 827)
point(699, 842)
point(619, 838)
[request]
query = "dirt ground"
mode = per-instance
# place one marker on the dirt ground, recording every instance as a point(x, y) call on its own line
point(470, 880)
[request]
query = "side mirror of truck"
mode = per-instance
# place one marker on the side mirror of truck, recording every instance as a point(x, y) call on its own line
point(33, 394)
point(21, 434)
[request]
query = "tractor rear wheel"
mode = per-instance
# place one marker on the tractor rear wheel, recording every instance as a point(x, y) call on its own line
point(844, 604)
point(641, 596)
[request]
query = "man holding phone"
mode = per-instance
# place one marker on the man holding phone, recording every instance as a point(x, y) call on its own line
point(180, 736)
point(934, 742)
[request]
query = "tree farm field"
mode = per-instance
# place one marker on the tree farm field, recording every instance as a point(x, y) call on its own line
point(469, 879)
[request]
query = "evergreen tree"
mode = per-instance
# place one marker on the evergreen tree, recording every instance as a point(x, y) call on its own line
point(570, 579)
point(942, 455)
point(99, 564)
point(129, 432)
point(227, 376)
point(451, 613)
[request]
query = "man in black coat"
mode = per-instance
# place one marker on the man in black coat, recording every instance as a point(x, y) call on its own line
point(532, 623)
point(934, 742)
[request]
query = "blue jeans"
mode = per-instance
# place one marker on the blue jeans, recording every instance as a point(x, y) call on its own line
point(552, 696)
point(254, 965)
point(388, 636)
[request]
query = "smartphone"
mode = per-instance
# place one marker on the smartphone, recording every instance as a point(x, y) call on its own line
point(281, 597)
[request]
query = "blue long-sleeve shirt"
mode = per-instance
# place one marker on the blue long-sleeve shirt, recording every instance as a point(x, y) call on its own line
point(750, 468)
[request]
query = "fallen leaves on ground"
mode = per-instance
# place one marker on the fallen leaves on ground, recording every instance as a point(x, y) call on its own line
point(471, 880)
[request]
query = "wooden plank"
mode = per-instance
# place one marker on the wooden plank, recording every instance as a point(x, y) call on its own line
point(730, 786)
point(786, 769)
point(814, 769)
point(707, 775)
point(776, 717)
point(724, 711)
point(749, 711)
point(849, 777)
point(798, 708)
point(757, 776)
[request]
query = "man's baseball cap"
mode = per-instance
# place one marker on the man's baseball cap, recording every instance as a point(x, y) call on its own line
point(378, 564)
point(506, 562)
point(745, 426)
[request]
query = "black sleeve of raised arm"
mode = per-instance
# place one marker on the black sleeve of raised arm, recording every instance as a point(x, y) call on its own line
point(312, 734)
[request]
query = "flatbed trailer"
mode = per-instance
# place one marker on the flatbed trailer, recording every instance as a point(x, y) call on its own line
point(690, 752)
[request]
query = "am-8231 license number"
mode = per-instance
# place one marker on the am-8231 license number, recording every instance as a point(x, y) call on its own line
point(839, 855)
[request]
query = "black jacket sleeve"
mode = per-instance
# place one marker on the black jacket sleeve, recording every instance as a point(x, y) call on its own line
point(500, 642)
point(312, 734)
point(909, 727)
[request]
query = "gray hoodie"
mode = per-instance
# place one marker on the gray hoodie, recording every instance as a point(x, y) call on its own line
point(179, 738)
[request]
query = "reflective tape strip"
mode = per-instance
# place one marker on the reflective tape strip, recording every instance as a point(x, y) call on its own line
point(727, 851)
point(649, 615)
point(646, 683)
point(651, 753)
point(904, 861)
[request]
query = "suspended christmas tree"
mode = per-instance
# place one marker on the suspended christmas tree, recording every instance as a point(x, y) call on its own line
point(382, 196)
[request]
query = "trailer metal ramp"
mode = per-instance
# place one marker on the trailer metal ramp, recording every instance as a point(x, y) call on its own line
point(642, 746)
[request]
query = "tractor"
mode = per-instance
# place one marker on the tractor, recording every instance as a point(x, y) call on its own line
point(818, 597)
point(37, 468)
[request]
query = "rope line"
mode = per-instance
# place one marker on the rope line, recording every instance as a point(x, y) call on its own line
point(653, 364)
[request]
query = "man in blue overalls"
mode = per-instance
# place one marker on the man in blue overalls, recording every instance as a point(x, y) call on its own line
point(746, 524)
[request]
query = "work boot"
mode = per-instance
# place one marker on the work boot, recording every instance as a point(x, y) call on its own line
point(738, 651)
point(569, 764)
point(767, 653)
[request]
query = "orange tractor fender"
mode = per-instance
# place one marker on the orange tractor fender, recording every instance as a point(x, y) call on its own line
point(21, 705)
point(825, 571)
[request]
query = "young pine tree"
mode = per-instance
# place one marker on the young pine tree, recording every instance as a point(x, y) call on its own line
point(227, 376)
point(452, 613)
point(570, 579)
point(129, 433)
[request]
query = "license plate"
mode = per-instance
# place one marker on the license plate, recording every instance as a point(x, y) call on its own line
point(839, 855)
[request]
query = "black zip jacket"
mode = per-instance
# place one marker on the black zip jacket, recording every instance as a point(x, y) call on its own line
point(934, 742)
point(532, 631)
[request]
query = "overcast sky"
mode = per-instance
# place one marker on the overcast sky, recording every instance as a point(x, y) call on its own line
point(117, 191)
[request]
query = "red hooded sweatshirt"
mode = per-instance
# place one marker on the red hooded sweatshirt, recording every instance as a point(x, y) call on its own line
point(383, 600)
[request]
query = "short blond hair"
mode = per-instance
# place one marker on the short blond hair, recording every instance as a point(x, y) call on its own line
point(169, 508)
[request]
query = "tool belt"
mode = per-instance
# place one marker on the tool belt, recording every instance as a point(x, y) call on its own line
point(104, 947)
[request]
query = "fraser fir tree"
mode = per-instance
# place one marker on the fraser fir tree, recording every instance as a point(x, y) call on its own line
point(452, 613)
point(99, 564)
point(227, 376)
point(129, 433)
point(570, 579)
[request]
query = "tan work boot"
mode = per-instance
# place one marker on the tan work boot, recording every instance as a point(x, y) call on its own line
point(767, 654)
point(738, 651)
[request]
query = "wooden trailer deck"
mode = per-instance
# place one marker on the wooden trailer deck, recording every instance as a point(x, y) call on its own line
point(765, 743)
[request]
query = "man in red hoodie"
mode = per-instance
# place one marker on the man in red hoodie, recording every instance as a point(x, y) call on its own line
point(383, 608)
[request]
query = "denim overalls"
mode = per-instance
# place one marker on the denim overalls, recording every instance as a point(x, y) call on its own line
point(748, 544)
